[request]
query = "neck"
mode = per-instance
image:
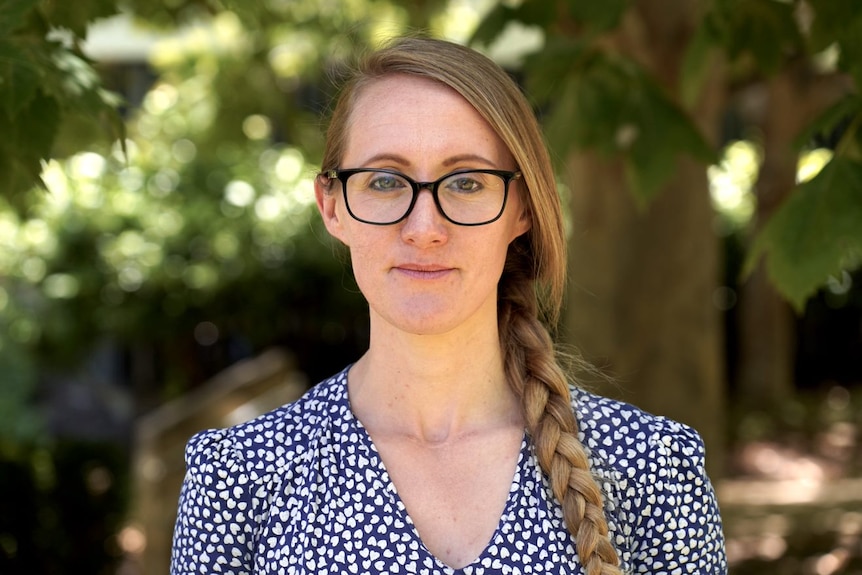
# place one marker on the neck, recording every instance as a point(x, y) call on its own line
point(432, 388)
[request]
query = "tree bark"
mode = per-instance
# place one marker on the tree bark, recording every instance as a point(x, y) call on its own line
point(766, 338)
point(767, 342)
point(641, 283)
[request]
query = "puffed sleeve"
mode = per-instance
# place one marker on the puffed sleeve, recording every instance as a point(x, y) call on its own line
point(219, 510)
point(679, 528)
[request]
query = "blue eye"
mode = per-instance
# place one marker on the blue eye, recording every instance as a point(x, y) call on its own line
point(465, 183)
point(386, 183)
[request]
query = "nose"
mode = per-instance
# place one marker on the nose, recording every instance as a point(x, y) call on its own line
point(425, 225)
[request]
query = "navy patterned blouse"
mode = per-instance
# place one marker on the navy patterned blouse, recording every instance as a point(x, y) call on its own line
point(302, 490)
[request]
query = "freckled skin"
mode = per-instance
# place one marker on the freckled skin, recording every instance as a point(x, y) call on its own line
point(450, 432)
point(424, 275)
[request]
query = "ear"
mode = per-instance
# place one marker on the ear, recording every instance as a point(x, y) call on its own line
point(525, 220)
point(327, 204)
point(522, 224)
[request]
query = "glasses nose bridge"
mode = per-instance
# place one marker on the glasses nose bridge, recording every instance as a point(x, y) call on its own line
point(430, 186)
point(432, 189)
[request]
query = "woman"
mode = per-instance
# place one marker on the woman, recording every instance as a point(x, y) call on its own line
point(456, 443)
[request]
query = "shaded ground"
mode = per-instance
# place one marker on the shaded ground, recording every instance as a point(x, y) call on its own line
point(793, 527)
point(793, 502)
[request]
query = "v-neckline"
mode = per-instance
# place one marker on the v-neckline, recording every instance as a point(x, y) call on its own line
point(373, 455)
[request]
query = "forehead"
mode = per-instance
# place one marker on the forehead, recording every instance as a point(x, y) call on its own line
point(417, 118)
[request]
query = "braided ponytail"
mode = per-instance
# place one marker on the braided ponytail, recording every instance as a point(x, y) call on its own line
point(536, 377)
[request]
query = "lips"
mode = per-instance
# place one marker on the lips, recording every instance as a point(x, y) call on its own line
point(423, 271)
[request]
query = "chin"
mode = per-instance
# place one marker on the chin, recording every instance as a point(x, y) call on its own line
point(433, 326)
point(420, 320)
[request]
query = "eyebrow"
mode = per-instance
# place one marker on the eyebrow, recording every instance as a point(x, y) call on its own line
point(451, 161)
point(468, 158)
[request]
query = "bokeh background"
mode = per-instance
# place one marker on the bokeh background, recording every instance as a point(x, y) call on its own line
point(163, 269)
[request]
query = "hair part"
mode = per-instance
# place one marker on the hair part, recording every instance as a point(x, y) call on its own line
point(533, 280)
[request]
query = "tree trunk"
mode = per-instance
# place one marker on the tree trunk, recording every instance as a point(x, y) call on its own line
point(641, 283)
point(767, 345)
point(766, 338)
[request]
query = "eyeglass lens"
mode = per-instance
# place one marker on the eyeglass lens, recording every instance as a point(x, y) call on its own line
point(383, 197)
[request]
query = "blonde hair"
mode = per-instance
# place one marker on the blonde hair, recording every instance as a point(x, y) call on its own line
point(533, 279)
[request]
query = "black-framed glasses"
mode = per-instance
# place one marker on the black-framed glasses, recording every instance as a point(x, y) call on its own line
point(464, 197)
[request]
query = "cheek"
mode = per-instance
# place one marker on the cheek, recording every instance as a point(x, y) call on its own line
point(366, 254)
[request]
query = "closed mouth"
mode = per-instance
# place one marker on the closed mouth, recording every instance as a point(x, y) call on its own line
point(423, 271)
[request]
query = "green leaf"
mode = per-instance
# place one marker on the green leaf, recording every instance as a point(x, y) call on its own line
point(700, 56)
point(664, 133)
point(495, 21)
point(834, 20)
point(763, 29)
point(27, 141)
point(597, 16)
point(559, 59)
point(848, 107)
point(814, 234)
point(492, 24)
point(584, 91)
point(613, 107)
point(76, 15)
point(839, 22)
point(13, 15)
point(77, 84)
point(19, 77)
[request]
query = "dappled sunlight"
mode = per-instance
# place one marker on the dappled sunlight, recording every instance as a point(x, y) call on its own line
point(389, 21)
point(132, 540)
point(291, 57)
point(36, 236)
point(732, 180)
point(33, 269)
point(239, 193)
point(515, 41)
point(92, 190)
point(460, 19)
point(61, 286)
point(811, 162)
point(793, 500)
point(160, 99)
point(222, 35)
point(257, 127)
point(773, 462)
point(766, 539)
point(184, 150)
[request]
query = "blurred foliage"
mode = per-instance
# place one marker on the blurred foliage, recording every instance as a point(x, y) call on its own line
point(803, 421)
point(213, 191)
point(192, 236)
point(202, 217)
point(819, 229)
point(598, 98)
point(189, 226)
point(611, 105)
point(45, 80)
point(62, 508)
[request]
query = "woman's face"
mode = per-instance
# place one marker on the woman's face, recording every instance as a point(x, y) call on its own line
point(424, 275)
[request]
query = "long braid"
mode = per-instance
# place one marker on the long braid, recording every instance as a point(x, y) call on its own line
point(534, 374)
point(536, 261)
